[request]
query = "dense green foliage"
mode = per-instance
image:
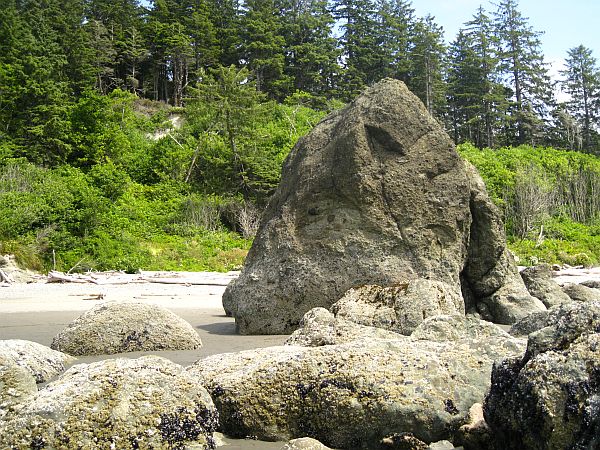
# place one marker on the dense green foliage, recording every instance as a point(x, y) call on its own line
point(148, 134)
point(550, 199)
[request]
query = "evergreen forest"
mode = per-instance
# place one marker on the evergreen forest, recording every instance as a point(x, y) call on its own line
point(150, 134)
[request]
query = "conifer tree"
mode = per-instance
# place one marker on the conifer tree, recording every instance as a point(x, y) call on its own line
point(310, 49)
point(360, 43)
point(263, 46)
point(582, 83)
point(476, 97)
point(522, 64)
point(428, 71)
point(396, 30)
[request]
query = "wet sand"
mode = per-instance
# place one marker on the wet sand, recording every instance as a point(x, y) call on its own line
point(38, 311)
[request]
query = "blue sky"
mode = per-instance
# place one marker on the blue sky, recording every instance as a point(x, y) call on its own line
point(565, 23)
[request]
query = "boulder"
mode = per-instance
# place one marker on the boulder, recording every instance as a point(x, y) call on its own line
point(550, 397)
point(540, 283)
point(349, 395)
point(398, 308)
point(320, 327)
point(17, 385)
point(305, 443)
point(581, 293)
point(475, 434)
point(595, 284)
point(375, 194)
point(147, 402)
point(42, 362)
point(444, 328)
point(536, 321)
point(118, 327)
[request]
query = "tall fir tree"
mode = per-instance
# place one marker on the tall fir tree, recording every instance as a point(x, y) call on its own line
point(311, 52)
point(263, 46)
point(477, 99)
point(360, 44)
point(429, 65)
point(396, 30)
point(582, 83)
point(522, 64)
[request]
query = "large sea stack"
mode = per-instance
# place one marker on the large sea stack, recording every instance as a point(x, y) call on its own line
point(375, 194)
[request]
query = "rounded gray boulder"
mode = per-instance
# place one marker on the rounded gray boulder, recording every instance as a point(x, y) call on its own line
point(118, 327)
point(41, 361)
point(148, 402)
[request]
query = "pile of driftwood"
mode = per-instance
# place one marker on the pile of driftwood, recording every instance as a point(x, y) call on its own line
point(4, 278)
point(182, 278)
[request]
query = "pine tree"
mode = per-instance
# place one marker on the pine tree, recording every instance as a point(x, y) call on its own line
point(522, 63)
point(396, 24)
point(428, 72)
point(263, 46)
point(310, 49)
point(477, 99)
point(582, 83)
point(361, 52)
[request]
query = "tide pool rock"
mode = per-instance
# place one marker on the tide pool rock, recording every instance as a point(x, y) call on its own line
point(118, 327)
point(148, 402)
point(349, 395)
point(41, 361)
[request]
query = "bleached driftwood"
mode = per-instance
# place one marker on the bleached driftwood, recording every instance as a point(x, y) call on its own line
point(60, 277)
point(4, 278)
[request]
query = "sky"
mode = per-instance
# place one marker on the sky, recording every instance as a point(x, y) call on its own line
point(565, 23)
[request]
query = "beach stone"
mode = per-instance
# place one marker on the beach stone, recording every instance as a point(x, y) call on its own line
point(118, 327)
point(320, 327)
point(148, 402)
point(398, 308)
point(550, 397)
point(475, 434)
point(349, 395)
point(540, 283)
point(581, 293)
point(41, 361)
point(305, 443)
point(375, 194)
point(403, 441)
point(595, 284)
point(17, 385)
point(444, 328)
point(441, 445)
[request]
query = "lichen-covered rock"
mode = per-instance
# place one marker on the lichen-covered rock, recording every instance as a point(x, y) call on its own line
point(550, 398)
point(398, 308)
point(118, 327)
point(581, 293)
point(536, 321)
point(490, 281)
point(475, 434)
point(456, 327)
point(595, 284)
point(375, 194)
point(403, 441)
point(17, 385)
point(540, 284)
point(348, 395)
point(147, 402)
point(321, 327)
point(305, 443)
point(41, 361)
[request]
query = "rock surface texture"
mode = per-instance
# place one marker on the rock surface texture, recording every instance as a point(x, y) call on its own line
point(42, 362)
point(118, 327)
point(17, 385)
point(320, 327)
point(375, 194)
point(147, 402)
point(550, 398)
point(350, 395)
point(581, 293)
point(540, 284)
point(398, 308)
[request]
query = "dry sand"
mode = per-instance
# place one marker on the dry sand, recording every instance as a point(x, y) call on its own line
point(38, 311)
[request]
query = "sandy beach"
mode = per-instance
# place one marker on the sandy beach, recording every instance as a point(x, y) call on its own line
point(38, 311)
